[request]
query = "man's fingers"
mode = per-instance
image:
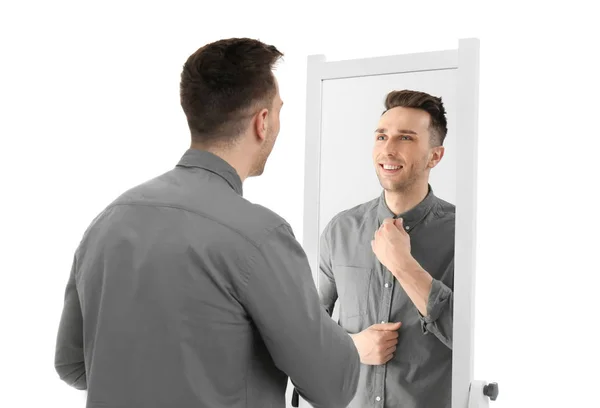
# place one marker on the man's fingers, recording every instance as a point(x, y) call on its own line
point(390, 343)
point(386, 342)
point(390, 335)
point(388, 358)
point(390, 349)
point(389, 224)
point(399, 222)
point(387, 326)
point(377, 231)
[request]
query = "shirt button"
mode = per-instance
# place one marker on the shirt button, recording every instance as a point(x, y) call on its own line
point(407, 227)
point(387, 285)
point(378, 398)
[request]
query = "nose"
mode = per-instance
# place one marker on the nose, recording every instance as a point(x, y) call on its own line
point(388, 148)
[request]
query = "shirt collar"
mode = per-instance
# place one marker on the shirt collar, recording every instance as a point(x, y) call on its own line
point(213, 163)
point(411, 217)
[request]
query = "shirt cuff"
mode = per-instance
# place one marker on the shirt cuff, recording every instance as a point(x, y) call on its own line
point(436, 303)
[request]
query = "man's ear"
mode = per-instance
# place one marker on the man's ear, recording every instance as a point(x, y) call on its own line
point(436, 156)
point(261, 124)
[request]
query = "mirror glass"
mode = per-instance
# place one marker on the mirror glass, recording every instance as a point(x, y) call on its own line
point(357, 289)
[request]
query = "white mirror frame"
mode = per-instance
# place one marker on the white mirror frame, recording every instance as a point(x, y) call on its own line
point(465, 59)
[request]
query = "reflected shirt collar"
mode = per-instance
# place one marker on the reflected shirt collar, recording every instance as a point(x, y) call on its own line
point(411, 217)
point(213, 163)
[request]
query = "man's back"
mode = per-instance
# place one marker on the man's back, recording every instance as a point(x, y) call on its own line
point(193, 297)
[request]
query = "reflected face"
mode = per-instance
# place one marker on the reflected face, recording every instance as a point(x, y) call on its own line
point(273, 126)
point(402, 153)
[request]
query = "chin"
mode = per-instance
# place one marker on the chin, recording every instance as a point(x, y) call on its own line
point(392, 186)
point(257, 172)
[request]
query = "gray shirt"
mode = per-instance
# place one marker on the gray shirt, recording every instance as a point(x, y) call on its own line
point(420, 373)
point(184, 294)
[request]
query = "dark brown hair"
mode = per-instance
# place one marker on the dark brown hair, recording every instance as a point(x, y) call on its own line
point(223, 84)
point(430, 104)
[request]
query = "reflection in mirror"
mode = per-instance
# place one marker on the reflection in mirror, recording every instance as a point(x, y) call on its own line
point(362, 114)
point(386, 226)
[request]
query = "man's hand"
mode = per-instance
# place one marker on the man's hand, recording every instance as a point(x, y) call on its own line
point(377, 343)
point(391, 245)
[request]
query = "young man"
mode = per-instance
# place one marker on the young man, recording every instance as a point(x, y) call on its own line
point(184, 294)
point(390, 262)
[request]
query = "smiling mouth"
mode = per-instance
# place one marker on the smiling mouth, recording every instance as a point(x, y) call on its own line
point(390, 168)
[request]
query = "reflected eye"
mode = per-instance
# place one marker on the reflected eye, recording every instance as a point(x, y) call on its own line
point(405, 137)
point(380, 137)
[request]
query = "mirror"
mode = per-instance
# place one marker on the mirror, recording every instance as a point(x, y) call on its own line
point(344, 205)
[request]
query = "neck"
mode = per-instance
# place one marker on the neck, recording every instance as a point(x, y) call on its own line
point(230, 154)
point(401, 201)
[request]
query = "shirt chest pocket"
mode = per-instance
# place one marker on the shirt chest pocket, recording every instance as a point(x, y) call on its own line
point(353, 287)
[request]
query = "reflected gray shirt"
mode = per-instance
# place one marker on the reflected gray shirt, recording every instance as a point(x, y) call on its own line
point(420, 373)
point(184, 294)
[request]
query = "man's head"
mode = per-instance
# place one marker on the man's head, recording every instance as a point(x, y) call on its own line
point(409, 139)
point(231, 99)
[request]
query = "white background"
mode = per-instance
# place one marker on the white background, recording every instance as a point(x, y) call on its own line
point(89, 107)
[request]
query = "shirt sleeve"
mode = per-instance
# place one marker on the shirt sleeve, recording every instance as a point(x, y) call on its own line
point(305, 343)
point(69, 359)
point(327, 288)
point(440, 310)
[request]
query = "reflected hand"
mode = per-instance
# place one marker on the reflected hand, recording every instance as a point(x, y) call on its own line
point(391, 244)
point(377, 343)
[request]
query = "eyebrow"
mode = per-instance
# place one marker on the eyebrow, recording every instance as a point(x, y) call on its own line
point(404, 131)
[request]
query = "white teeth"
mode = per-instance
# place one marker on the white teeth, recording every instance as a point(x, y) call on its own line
point(390, 167)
